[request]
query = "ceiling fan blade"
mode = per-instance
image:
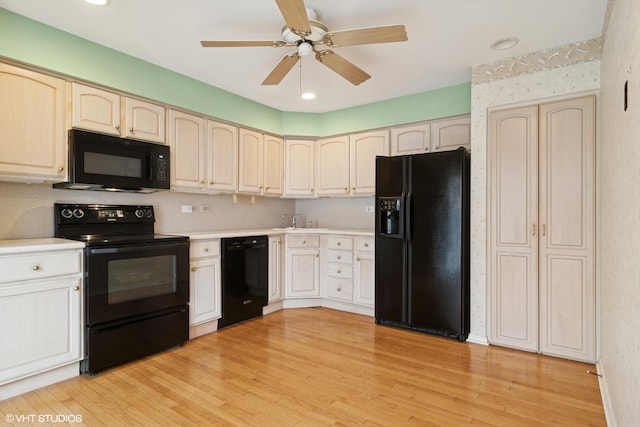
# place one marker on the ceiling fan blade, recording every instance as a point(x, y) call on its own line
point(284, 66)
point(295, 15)
point(242, 43)
point(384, 34)
point(341, 66)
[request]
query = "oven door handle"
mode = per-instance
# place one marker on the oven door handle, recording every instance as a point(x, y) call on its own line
point(134, 248)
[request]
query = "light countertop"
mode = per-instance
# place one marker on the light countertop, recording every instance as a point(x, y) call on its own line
point(37, 245)
point(272, 231)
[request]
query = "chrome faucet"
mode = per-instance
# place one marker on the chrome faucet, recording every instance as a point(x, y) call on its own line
point(293, 219)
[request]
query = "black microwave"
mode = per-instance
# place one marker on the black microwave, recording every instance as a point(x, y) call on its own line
point(106, 162)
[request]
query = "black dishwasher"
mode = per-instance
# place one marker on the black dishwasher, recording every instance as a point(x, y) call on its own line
point(245, 272)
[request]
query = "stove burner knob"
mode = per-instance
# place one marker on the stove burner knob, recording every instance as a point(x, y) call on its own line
point(66, 213)
point(139, 213)
point(78, 213)
point(148, 213)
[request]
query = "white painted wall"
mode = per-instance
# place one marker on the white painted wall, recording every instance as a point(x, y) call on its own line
point(620, 216)
point(520, 90)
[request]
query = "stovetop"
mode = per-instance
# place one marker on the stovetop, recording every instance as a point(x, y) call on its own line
point(103, 225)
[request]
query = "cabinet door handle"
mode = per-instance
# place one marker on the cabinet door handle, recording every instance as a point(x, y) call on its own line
point(339, 271)
point(339, 289)
point(358, 259)
point(76, 288)
point(36, 267)
point(131, 130)
point(194, 268)
point(543, 229)
point(60, 168)
point(366, 245)
point(533, 230)
point(118, 127)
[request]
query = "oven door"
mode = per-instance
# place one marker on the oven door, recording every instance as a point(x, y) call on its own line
point(132, 280)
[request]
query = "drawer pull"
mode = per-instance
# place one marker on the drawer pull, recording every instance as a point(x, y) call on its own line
point(358, 259)
point(36, 267)
point(304, 242)
point(206, 249)
point(339, 257)
point(366, 245)
point(339, 271)
point(339, 243)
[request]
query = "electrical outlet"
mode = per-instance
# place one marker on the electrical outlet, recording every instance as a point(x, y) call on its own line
point(205, 208)
point(187, 209)
point(368, 209)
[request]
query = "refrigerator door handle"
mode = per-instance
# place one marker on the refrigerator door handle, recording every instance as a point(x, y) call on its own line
point(408, 216)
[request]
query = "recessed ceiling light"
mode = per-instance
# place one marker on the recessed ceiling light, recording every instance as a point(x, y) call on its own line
point(308, 95)
point(98, 2)
point(504, 44)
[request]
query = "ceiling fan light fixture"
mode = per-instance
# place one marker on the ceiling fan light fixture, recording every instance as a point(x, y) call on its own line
point(305, 49)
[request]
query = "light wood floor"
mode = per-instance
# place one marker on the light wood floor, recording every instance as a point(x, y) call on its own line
point(317, 366)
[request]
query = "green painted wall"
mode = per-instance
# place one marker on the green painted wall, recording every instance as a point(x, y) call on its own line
point(30, 42)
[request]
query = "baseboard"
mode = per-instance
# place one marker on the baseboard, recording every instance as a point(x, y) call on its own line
point(478, 339)
point(203, 328)
point(604, 395)
point(39, 380)
point(272, 307)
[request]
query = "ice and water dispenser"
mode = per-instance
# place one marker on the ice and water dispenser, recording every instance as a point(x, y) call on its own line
point(390, 216)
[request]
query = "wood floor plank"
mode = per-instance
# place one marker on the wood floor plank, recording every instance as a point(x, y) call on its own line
point(321, 367)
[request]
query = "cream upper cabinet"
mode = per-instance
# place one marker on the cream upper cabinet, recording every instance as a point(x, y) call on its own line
point(273, 168)
point(436, 135)
point(364, 147)
point(413, 139)
point(332, 166)
point(251, 162)
point(450, 134)
point(144, 120)
point(299, 168)
point(103, 111)
point(187, 141)
point(33, 138)
point(222, 156)
point(542, 227)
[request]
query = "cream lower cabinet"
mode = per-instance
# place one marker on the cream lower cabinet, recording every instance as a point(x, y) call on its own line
point(542, 226)
point(300, 167)
point(108, 112)
point(337, 267)
point(364, 271)
point(33, 138)
point(302, 266)
point(40, 315)
point(275, 269)
point(205, 282)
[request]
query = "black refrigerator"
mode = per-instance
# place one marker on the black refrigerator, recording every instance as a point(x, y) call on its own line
point(422, 242)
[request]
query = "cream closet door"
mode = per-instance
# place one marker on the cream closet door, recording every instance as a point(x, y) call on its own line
point(514, 218)
point(542, 228)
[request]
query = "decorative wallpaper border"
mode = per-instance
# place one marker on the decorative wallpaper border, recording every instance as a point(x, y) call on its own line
point(543, 60)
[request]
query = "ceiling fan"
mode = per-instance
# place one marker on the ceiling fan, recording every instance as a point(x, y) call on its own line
point(308, 35)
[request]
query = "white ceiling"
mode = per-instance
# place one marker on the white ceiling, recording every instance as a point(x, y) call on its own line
point(446, 38)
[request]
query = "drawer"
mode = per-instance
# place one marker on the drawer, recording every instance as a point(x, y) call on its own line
point(340, 289)
point(365, 244)
point(340, 270)
point(204, 248)
point(303, 241)
point(38, 265)
point(340, 242)
point(345, 257)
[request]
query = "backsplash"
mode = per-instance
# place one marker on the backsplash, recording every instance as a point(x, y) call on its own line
point(27, 209)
